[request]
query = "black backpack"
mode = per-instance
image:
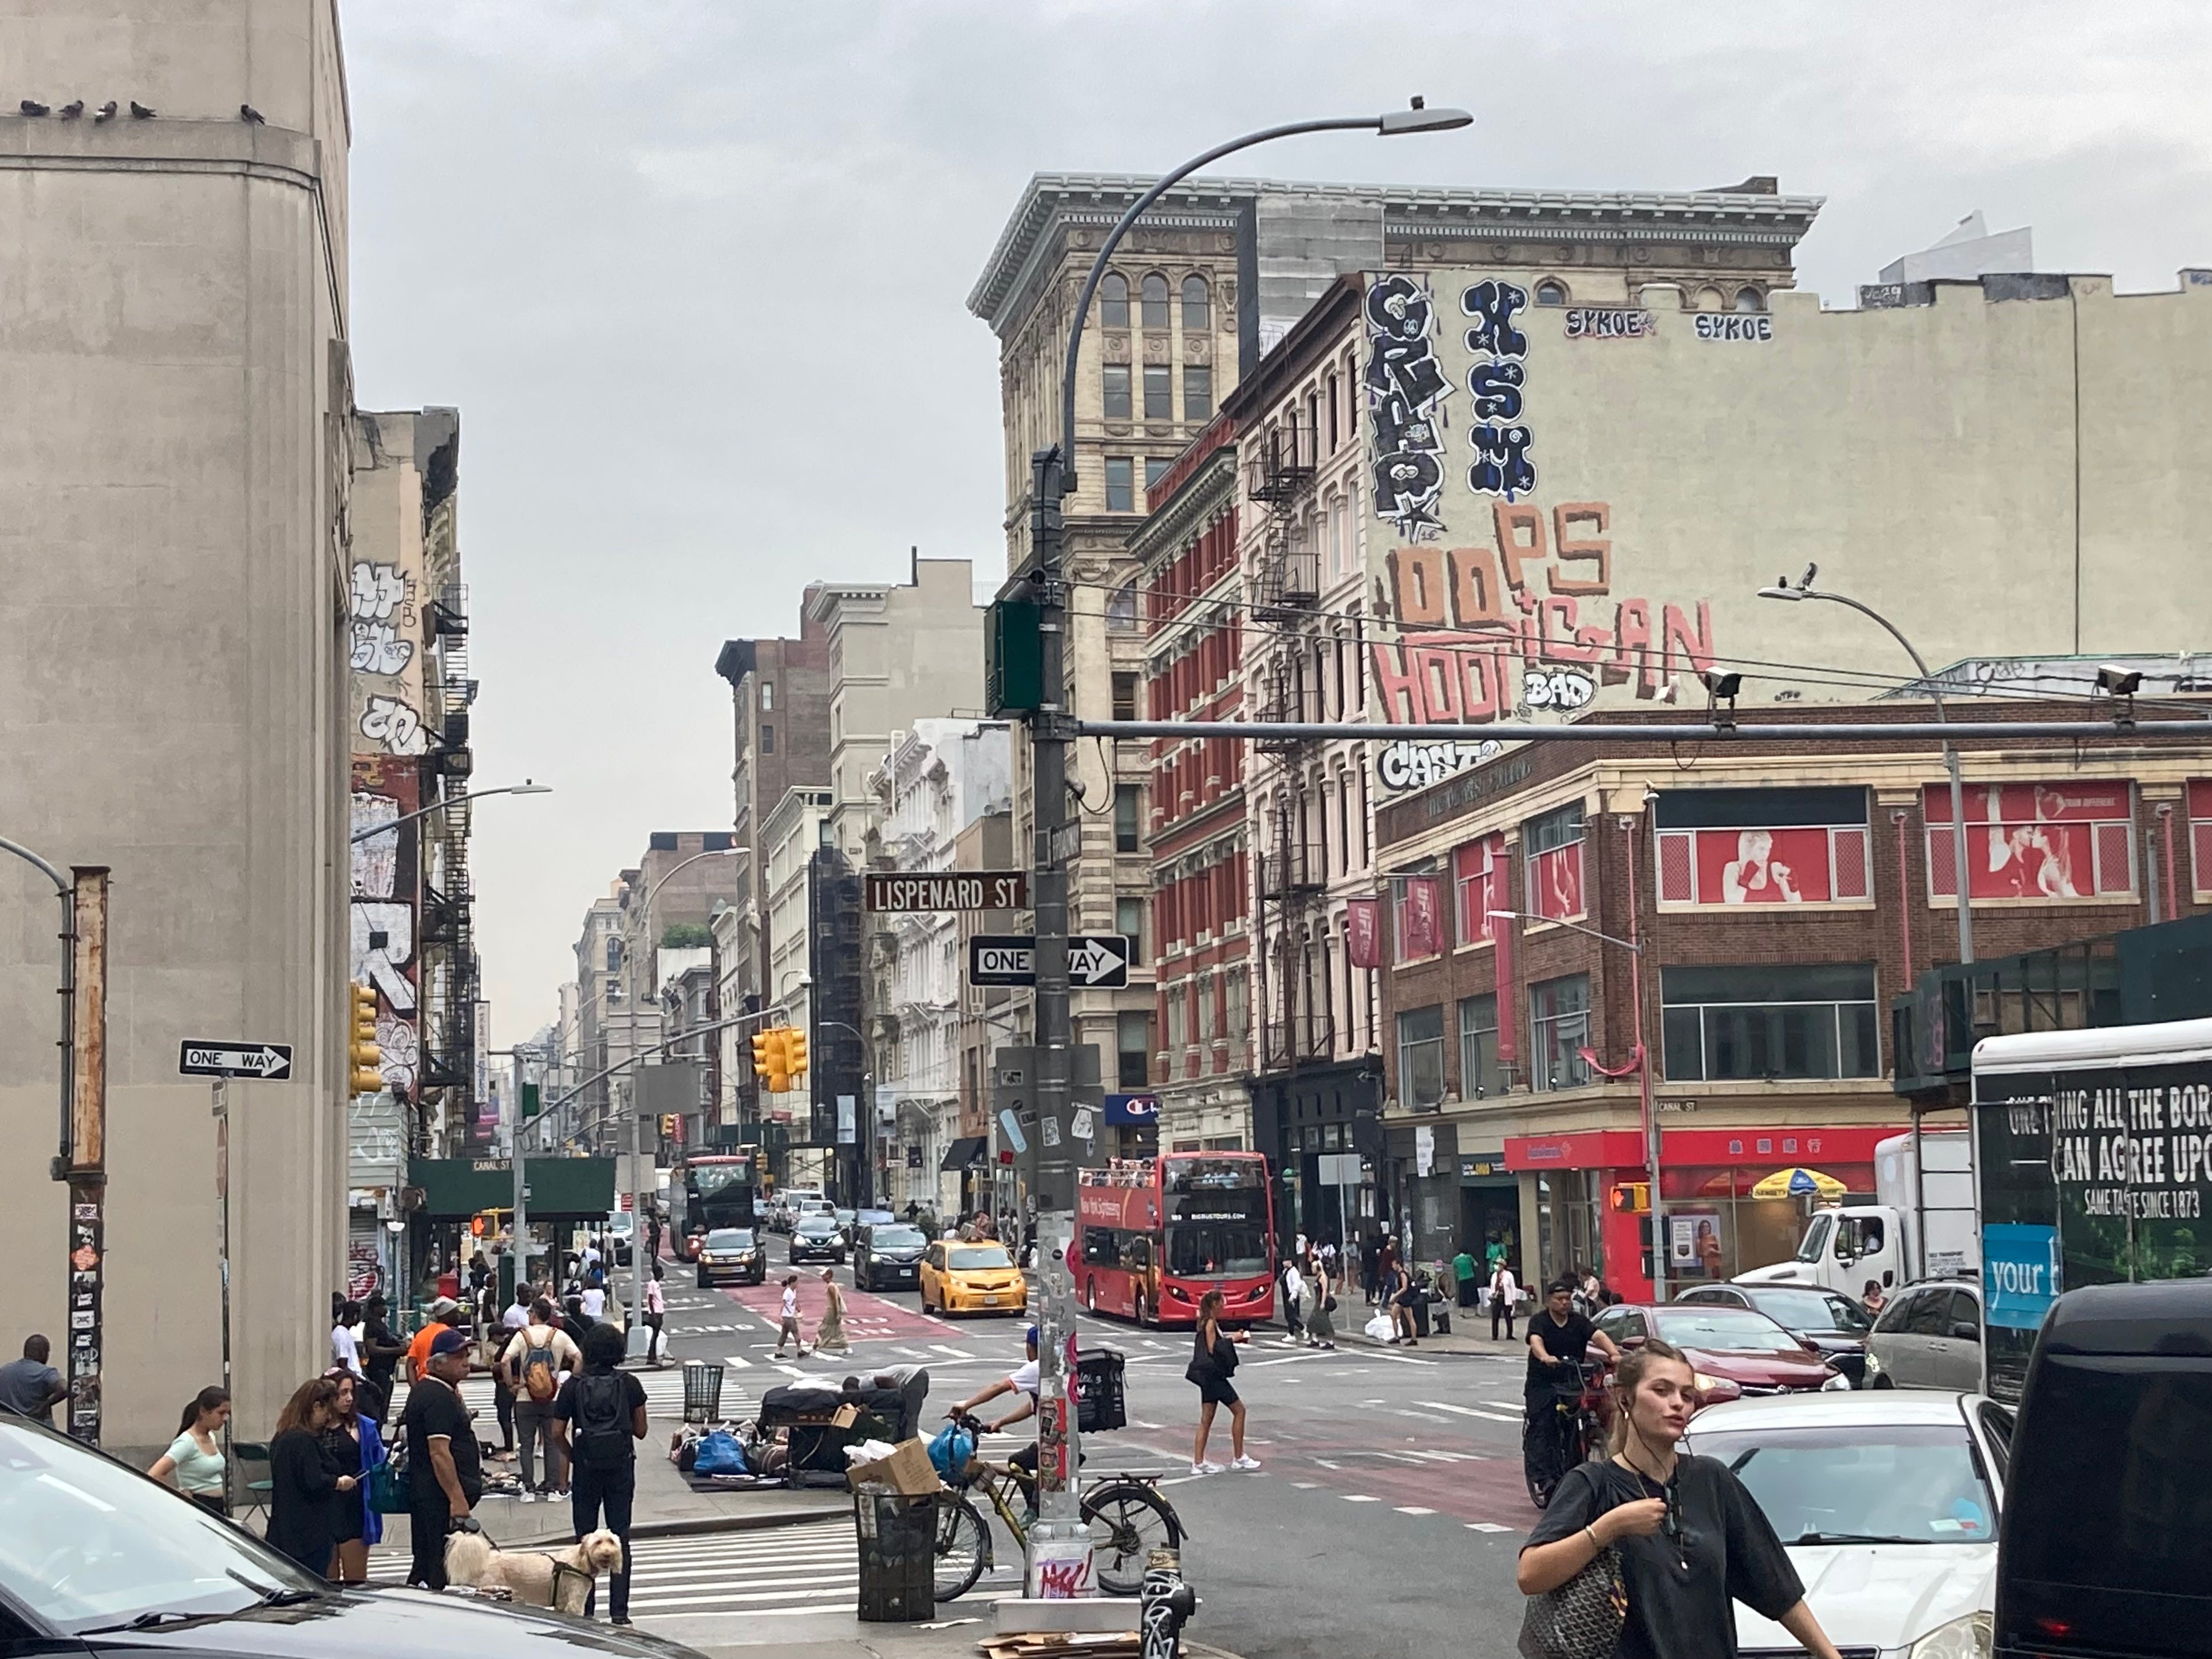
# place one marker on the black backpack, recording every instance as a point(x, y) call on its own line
point(600, 1431)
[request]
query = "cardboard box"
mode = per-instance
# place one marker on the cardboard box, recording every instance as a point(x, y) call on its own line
point(846, 1416)
point(907, 1470)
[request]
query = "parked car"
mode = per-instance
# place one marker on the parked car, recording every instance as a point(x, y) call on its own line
point(1888, 1505)
point(957, 1277)
point(887, 1253)
point(95, 1557)
point(1826, 1319)
point(621, 1228)
point(1930, 1336)
point(732, 1254)
point(1734, 1351)
point(2106, 1548)
point(818, 1238)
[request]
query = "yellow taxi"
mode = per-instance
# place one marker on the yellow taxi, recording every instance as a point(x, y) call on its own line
point(977, 1277)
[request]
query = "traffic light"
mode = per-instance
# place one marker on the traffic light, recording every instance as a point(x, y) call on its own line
point(1632, 1197)
point(669, 1122)
point(363, 1056)
point(794, 1051)
point(532, 1102)
point(768, 1053)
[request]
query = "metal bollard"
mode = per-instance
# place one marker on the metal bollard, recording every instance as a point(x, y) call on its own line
point(1166, 1601)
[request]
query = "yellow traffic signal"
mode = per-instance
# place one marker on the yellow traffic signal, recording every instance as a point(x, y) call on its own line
point(794, 1051)
point(669, 1122)
point(766, 1050)
point(363, 1057)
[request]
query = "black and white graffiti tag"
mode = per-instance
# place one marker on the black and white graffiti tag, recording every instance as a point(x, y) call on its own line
point(1610, 322)
point(1712, 325)
point(1406, 765)
point(1406, 391)
point(1502, 466)
point(1556, 688)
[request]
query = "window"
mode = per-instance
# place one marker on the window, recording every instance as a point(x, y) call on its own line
point(1550, 293)
point(1155, 289)
point(1117, 391)
point(1120, 485)
point(1332, 411)
point(1121, 609)
point(2036, 842)
point(1558, 1021)
point(1197, 303)
point(614, 991)
point(767, 696)
point(1553, 845)
point(768, 738)
point(1478, 872)
point(1132, 1044)
point(1177, 1000)
point(1125, 695)
point(1197, 392)
point(1234, 1004)
point(1114, 301)
point(1129, 816)
point(1417, 920)
point(1129, 922)
point(1421, 1056)
point(1155, 470)
point(1479, 1076)
point(614, 953)
point(1769, 1021)
point(1159, 393)
point(1744, 846)
point(1749, 300)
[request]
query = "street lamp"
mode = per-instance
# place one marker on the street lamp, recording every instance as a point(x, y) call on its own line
point(525, 787)
point(1061, 1532)
point(1803, 589)
point(1634, 945)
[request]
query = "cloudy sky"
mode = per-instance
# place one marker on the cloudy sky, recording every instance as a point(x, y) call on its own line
point(694, 272)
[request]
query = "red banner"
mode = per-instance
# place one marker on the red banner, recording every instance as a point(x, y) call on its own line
point(1555, 883)
point(1362, 930)
point(1420, 919)
point(2035, 841)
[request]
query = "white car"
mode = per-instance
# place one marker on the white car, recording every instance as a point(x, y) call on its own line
point(1887, 1503)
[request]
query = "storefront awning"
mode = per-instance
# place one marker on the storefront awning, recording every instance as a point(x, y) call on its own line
point(964, 1153)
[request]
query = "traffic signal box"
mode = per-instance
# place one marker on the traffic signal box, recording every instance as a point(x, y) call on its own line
point(1632, 1197)
point(794, 1051)
point(363, 1057)
point(780, 1056)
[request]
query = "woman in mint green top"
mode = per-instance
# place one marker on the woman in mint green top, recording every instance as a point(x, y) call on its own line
point(193, 1463)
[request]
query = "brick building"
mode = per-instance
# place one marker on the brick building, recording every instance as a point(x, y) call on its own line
point(1512, 1044)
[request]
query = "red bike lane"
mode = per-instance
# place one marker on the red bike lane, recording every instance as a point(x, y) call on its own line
point(868, 1317)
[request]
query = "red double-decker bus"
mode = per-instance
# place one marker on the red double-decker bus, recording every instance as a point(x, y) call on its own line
point(1154, 1235)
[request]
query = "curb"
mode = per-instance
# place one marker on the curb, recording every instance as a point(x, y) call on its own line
point(690, 1526)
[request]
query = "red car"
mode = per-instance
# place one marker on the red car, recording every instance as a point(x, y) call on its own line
point(1734, 1351)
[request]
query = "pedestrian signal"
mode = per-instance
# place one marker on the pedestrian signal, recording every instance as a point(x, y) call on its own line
point(476, 1226)
point(794, 1051)
point(1633, 1198)
point(363, 1057)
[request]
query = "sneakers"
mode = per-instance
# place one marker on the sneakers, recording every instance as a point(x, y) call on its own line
point(1206, 1468)
point(1247, 1464)
point(526, 1496)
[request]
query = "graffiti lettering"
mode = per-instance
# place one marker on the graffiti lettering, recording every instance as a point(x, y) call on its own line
point(395, 725)
point(1559, 688)
point(1713, 326)
point(1610, 322)
point(1502, 466)
point(397, 1051)
point(377, 648)
point(383, 944)
point(1492, 305)
point(378, 591)
point(1497, 389)
point(1406, 391)
point(1404, 765)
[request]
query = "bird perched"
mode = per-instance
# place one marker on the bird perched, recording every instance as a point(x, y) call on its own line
point(139, 111)
point(72, 109)
point(251, 116)
point(32, 106)
point(105, 113)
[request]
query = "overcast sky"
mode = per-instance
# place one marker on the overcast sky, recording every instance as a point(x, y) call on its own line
point(694, 271)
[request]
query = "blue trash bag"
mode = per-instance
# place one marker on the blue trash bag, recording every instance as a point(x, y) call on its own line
point(720, 1454)
point(950, 1452)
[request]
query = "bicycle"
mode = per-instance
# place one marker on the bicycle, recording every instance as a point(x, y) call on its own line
point(1128, 1516)
point(1571, 1432)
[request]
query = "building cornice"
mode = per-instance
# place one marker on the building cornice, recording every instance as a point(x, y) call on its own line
point(1209, 491)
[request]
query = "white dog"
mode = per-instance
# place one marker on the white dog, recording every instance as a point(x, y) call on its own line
point(539, 1578)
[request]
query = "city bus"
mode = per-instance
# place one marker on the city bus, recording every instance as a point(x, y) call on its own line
point(1155, 1234)
point(717, 1192)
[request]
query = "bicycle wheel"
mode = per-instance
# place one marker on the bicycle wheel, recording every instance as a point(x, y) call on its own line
point(963, 1549)
point(1127, 1522)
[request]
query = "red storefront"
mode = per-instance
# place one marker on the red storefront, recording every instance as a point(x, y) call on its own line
point(1715, 1227)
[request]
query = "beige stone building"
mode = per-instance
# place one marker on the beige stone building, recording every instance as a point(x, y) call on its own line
point(173, 653)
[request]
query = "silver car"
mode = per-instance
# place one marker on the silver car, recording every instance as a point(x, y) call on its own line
point(1930, 1336)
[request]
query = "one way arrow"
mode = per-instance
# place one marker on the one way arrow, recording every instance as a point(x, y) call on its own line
point(1094, 961)
point(265, 1060)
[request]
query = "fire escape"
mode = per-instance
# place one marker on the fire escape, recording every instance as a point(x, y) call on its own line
point(1297, 1026)
point(447, 943)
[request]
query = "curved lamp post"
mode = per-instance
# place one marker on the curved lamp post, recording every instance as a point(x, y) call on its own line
point(525, 787)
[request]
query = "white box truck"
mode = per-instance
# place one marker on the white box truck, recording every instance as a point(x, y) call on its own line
point(1847, 1245)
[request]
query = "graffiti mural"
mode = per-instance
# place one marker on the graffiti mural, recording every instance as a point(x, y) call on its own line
point(1404, 765)
point(384, 879)
point(396, 724)
point(1502, 466)
point(385, 623)
point(1406, 391)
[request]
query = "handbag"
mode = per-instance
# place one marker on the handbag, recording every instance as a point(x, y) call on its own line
point(1583, 1617)
point(390, 1487)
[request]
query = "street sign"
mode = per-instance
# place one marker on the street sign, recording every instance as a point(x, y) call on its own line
point(966, 889)
point(270, 1062)
point(1002, 959)
point(1098, 962)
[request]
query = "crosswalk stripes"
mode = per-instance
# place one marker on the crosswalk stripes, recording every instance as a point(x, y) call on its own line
point(804, 1568)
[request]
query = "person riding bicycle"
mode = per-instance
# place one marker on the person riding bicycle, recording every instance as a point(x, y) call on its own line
point(1023, 1382)
point(1559, 1340)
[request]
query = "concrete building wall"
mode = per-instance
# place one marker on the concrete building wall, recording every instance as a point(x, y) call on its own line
point(172, 661)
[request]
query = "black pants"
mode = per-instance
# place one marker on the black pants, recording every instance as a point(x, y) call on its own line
point(654, 1323)
point(613, 1491)
point(1468, 1289)
point(426, 1530)
point(1501, 1309)
point(503, 1404)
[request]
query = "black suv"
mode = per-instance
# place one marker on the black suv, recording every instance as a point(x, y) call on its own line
point(2105, 1544)
point(887, 1253)
point(733, 1254)
point(817, 1238)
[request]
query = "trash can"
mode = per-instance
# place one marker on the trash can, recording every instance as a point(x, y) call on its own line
point(1420, 1312)
point(898, 1554)
point(702, 1391)
point(1100, 1401)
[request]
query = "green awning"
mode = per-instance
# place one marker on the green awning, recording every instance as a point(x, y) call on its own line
point(561, 1188)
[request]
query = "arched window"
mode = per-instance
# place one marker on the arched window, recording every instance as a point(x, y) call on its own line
point(1750, 298)
point(1710, 299)
point(1155, 300)
point(1197, 303)
point(1114, 301)
point(1550, 293)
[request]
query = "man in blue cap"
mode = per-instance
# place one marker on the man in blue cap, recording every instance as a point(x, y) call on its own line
point(444, 1462)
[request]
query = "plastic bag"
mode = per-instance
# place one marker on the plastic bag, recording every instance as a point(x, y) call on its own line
point(720, 1454)
point(1379, 1328)
point(950, 1452)
point(869, 1451)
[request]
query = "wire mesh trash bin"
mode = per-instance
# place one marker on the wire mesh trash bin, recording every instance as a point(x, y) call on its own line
point(702, 1391)
point(1100, 1404)
point(898, 1554)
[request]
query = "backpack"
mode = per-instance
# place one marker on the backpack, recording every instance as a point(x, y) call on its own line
point(539, 1379)
point(601, 1429)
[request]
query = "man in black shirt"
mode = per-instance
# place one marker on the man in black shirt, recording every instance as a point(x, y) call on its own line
point(382, 1351)
point(1556, 1335)
point(444, 1466)
point(598, 1417)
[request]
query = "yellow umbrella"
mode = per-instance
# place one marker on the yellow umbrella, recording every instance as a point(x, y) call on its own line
point(1796, 1182)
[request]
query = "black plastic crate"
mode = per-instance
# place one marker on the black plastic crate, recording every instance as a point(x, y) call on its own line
point(1101, 1405)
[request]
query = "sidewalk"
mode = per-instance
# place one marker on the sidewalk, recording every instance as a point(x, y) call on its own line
point(1470, 1333)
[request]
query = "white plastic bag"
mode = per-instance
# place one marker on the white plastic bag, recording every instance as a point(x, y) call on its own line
point(868, 1451)
point(1380, 1328)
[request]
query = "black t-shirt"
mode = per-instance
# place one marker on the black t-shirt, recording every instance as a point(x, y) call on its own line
point(1679, 1591)
point(1569, 1341)
point(433, 1409)
point(566, 1406)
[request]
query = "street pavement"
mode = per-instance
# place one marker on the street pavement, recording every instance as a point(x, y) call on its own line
point(1389, 1505)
